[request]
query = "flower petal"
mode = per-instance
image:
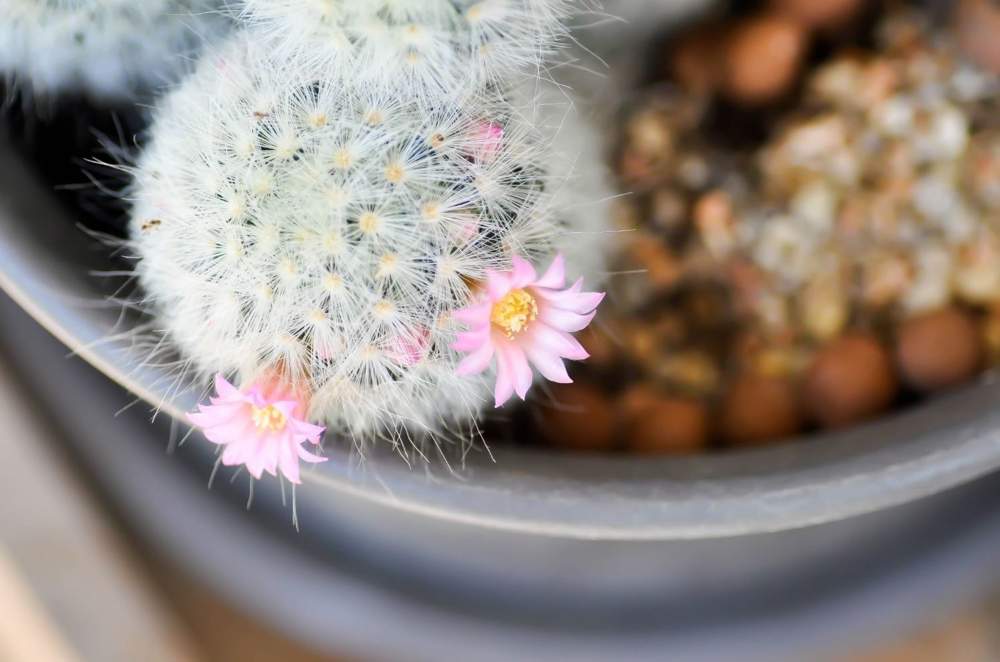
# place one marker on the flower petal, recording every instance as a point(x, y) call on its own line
point(520, 369)
point(235, 453)
point(561, 343)
point(505, 378)
point(555, 342)
point(522, 274)
point(212, 416)
point(264, 456)
point(309, 432)
point(474, 316)
point(225, 390)
point(551, 366)
point(233, 431)
point(288, 462)
point(476, 362)
point(577, 302)
point(309, 457)
point(469, 341)
point(497, 285)
point(565, 320)
point(257, 398)
point(555, 276)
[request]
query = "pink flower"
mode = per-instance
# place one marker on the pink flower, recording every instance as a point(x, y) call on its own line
point(488, 139)
point(261, 427)
point(525, 320)
point(409, 348)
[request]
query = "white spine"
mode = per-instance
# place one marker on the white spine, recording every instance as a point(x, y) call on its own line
point(104, 48)
point(425, 45)
point(291, 215)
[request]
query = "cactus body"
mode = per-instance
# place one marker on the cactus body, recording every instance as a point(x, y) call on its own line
point(107, 49)
point(432, 45)
point(290, 216)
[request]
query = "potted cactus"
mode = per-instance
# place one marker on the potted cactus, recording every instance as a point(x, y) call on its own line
point(306, 206)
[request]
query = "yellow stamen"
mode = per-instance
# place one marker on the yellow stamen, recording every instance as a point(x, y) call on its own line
point(395, 173)
point(514, 312)
point(342, 159)
point(268, 418)
point(368, 223)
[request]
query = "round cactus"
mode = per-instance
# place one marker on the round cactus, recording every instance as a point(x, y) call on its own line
point(105, 48)
point(422, 44)
point(314, 225)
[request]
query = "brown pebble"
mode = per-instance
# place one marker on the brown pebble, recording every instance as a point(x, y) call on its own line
point(581, 418)
point(978, 25)
point(667, 209)
point(818, 14)
point(939, 349)
point(690, 371)
point(640, 341)
point(636, 399)
point(657, 423)
point(763, 56)
point(694, 59)
point(713, 216)
point(990, 333)
point(758, 409)
point(636, 168)
point(662, 268)
point(670, 327)
point(850, 379)
point(651, 135)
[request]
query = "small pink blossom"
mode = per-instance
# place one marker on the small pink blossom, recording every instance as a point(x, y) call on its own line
point(487, 138)
point(409, 347)
point(261, 427)
point(525, 320)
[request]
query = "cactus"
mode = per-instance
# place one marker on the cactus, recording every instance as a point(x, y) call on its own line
point(291, 217)
point(108, 49)
point(434, 45)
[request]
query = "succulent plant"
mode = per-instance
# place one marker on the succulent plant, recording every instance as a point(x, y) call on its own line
point(291, 217)
point(420, 44)
point(107, 49)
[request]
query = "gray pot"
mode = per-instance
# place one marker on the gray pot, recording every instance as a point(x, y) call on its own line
point(827, 477)
point(761, 554)
point(382, 583)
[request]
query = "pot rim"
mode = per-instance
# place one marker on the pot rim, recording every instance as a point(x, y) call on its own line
point(316, 597)
point(824, 477)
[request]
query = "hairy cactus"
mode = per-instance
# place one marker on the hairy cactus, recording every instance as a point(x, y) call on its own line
point(294, 218)
point(419, 44)
point(104, 48)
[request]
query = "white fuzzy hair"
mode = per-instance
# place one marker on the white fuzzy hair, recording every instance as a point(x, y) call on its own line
point(291, 217)
point(420, 44)
point(107, 49)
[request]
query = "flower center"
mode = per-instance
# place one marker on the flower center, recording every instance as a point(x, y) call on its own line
point(268, 418)
point(514, 311)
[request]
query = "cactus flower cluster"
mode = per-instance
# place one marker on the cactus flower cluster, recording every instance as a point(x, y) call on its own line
point(334, 182)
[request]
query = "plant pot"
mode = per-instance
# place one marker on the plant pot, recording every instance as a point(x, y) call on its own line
point(47, 268)
point(761, 554)
point(378, 582)
point(764, 553)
